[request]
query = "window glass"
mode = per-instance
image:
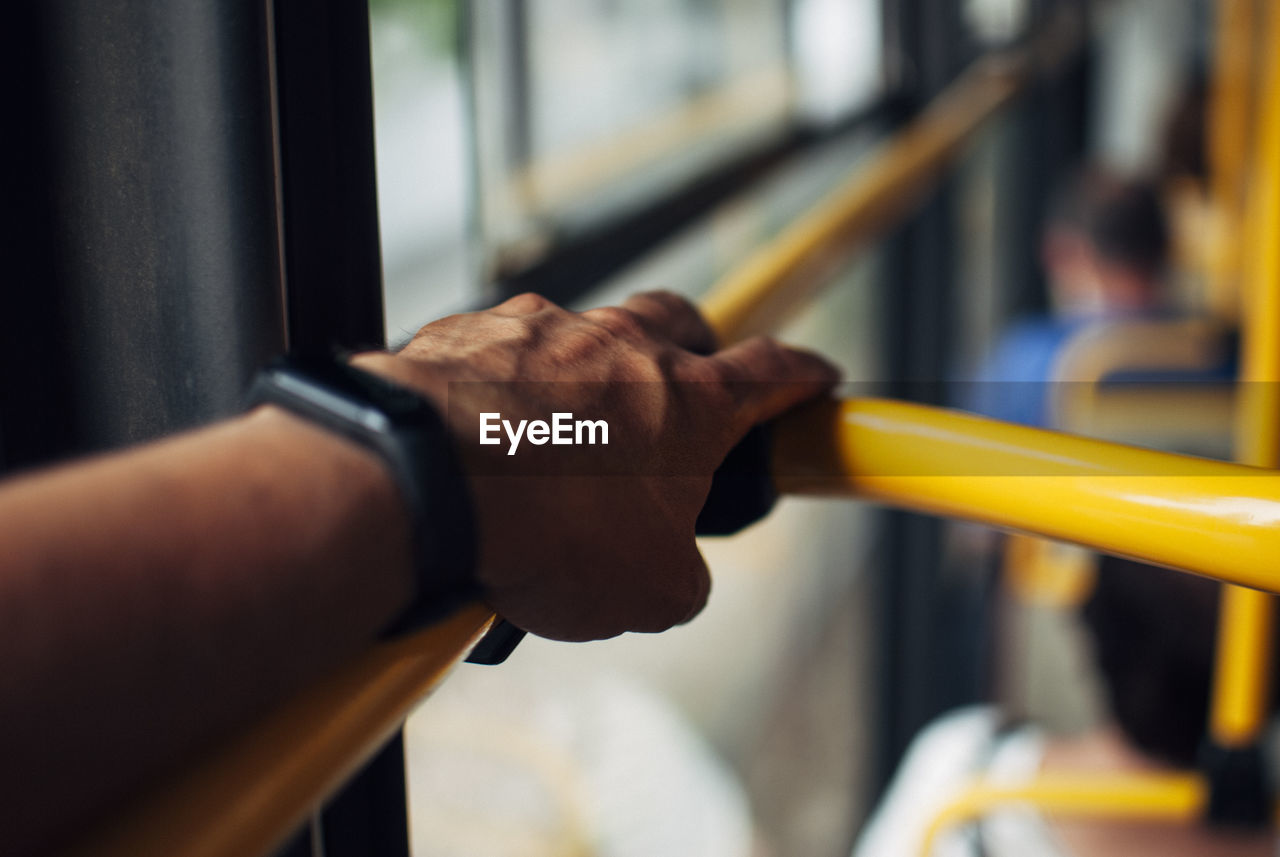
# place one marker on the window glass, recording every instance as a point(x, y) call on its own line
point(553, 117)
point(585, 109)
point(836, 50)
point(422, 143)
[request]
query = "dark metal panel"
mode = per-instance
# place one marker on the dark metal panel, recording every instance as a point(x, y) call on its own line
point(333, 277)
point(333, 269)
point(140, 251)
point(924, 42)
point(1049, 132)
point(369, 817)
point(917, 318)
point(928, 659)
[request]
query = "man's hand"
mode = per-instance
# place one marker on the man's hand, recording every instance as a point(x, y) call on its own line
point(585, 542)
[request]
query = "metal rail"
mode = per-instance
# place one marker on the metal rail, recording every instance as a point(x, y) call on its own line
point(1243, 657)
point(1230, 111)
point(756, 295)
point(1242, 671)
point(1155, 797)
point(249, 795)
point(1214, 518)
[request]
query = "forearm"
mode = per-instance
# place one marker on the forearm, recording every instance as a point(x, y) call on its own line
point(153, 599)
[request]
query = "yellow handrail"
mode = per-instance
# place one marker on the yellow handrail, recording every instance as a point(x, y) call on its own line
point(249, 795)
point(1214, 518)
point(1242, 674)
point(1174, 797)
point(782, 274)
point(1242, 670)
point(1229, 111)
point(1049, 573)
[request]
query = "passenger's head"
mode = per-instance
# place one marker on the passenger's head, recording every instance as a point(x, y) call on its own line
point(1106, 246)
point(1153, 638)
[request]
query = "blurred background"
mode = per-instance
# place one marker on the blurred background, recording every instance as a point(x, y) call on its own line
point(586, 149)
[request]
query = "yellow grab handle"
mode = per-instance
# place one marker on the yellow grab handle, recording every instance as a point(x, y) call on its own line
point(1156, 797)
point(757, 294)
point(1214, 518)
point(252, 793)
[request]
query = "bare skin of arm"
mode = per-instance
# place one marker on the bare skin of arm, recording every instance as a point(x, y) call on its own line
point(153, 599)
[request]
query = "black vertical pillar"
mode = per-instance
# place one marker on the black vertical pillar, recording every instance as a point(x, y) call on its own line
point(333, 283)
point(1048, 137)
point(329, 203)
point(922, 40)
point(161, 196)
point(138, 247)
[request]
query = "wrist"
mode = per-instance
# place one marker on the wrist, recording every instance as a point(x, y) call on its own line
point(349, 489)
point(405, 373)
point(403, 432)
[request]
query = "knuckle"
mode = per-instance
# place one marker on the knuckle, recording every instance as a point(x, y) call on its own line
point(668, 300)
point(706, 371)
point(639, 366)
point(580, 343)
point(618, 321)
point(771, 348)
point(527, 302)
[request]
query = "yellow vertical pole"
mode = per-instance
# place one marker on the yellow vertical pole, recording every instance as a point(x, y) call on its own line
point(1229, 110)
point(1242, 673)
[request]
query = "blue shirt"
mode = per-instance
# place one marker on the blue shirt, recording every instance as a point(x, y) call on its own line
point(1013, 382)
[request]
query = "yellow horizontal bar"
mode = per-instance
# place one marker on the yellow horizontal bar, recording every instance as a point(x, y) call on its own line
point(757, 294)
point(250, 795)
point(1218, 519)
point(1176, 798)
point(1214, 518)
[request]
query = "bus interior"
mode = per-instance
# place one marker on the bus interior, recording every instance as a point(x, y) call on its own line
point(912, 188)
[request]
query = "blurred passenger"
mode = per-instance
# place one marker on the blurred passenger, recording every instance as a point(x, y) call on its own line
point(1152, 640)
point(1105, 251)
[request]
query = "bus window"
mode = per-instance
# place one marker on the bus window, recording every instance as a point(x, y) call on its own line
point(584, 111)
point(420, 130)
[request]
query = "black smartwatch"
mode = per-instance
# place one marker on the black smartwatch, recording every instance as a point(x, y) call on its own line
point(411, 438)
